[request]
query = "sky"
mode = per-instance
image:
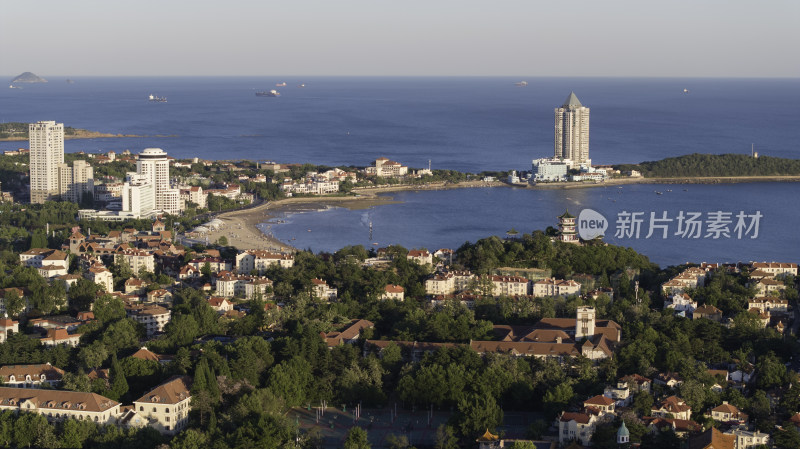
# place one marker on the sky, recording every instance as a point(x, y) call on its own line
point(620, 38)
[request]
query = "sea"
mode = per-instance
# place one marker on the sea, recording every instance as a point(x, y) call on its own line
point(469, 124)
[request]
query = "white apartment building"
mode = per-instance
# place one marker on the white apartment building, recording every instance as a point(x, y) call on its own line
point(550, 170)
point(576, 426)
point(387, 169)
point(572, 131)
point(555, 287)
point(57, 405)
point(167, 406)
point(100, 275)
point(323, 291)
point(776, 269)
point(746, 439)
point(44, 257)
point(75, 182)
point(260, 261)
point(46, 141)
point(153, 317)
point(194, 194)
point(137, 260)
point(509, 286)
point(138, 196)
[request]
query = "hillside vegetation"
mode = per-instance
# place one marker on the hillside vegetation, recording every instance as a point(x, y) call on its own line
point(699, 165)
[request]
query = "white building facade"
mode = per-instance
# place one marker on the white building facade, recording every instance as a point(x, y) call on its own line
point(46, 141)
point(572, 131)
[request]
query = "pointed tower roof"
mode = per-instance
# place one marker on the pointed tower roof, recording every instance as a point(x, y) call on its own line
point(487, 437)
point(566, 214)
point(572, 101)
point(623, 431)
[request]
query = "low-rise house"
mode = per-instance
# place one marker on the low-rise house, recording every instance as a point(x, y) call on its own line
point(746, 439)
point(215, 264)
point(167, 406)
point(769, 304)
point(159, 295)
point(135, 286)
point(728, 413)
point(708, 312)
point(7, 327)
point(394, 292)
point(711, 439)
point(60, 322)
point(145, 354)
point(58, 405)
point(681, 302)
point(221, 305)
point(31, 376)
point(153, 317)
point(101, 276)
point(420, 256)
point(576, 426)
point(768, 287)
point(348, 335)
point(323, 291)
point(260, 261)
point(555, 287)
point(671, 380)
point(44, 257)
point(57, 337)
point(626, 388)
point(777, 269)
point(600, 403)
point(672, 407)
point(68, 280)
point(509, 285)
point(681, 427)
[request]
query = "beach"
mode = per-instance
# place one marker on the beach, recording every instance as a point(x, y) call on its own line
point(241, 226)
point(242, 232)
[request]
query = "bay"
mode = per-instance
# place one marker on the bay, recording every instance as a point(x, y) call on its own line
point(448, 218)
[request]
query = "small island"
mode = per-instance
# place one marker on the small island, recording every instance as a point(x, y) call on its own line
point(28, 78)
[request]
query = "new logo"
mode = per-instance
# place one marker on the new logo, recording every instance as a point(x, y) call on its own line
point(591, 224)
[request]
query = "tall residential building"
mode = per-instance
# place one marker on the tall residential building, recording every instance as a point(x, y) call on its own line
point(138, 195)
point(75, 182)
point(153, 164)
point(572, 131)
point(46, 140)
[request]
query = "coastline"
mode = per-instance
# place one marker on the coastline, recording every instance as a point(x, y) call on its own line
point(241, 226)
point(242, 232)
point(84, 134)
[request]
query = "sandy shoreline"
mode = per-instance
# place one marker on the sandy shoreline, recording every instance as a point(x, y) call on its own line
point(241, 229)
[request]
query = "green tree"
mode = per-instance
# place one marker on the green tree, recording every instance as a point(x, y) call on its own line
point(357, 439)
point(119, 384)
point(446, 438)
point(476, 413)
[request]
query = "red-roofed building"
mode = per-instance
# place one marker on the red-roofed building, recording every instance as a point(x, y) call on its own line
point(576, 426)
point(394, 292)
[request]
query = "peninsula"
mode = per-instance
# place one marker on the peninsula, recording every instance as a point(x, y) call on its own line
point(17, 131)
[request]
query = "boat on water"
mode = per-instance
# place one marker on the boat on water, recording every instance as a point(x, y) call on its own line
point(301, 85)
point(686, 91)
point(157, 99)
point(282, 84)
point(271, 93)
point(521, 84)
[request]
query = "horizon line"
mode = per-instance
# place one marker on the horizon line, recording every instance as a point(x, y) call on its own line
point(428, 76)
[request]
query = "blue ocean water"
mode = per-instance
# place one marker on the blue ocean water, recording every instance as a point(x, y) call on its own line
point(467, 124)
point(448, 218)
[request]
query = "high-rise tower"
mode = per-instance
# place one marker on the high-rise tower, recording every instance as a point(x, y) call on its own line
point(154, 165)
point(572, 131)
point(46, 143)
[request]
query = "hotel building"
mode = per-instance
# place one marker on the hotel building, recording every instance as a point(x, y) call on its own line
point(572, 131)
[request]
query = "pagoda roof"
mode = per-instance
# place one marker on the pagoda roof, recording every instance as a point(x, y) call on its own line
point(572, 101)
point(487, 437)
point(566, 214)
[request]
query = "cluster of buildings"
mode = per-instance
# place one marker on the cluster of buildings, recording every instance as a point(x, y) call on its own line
point(669, 413)
point(50, 178)
point(32, 389)
point(554, 338)
point(318, 183)
point(448, 283)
